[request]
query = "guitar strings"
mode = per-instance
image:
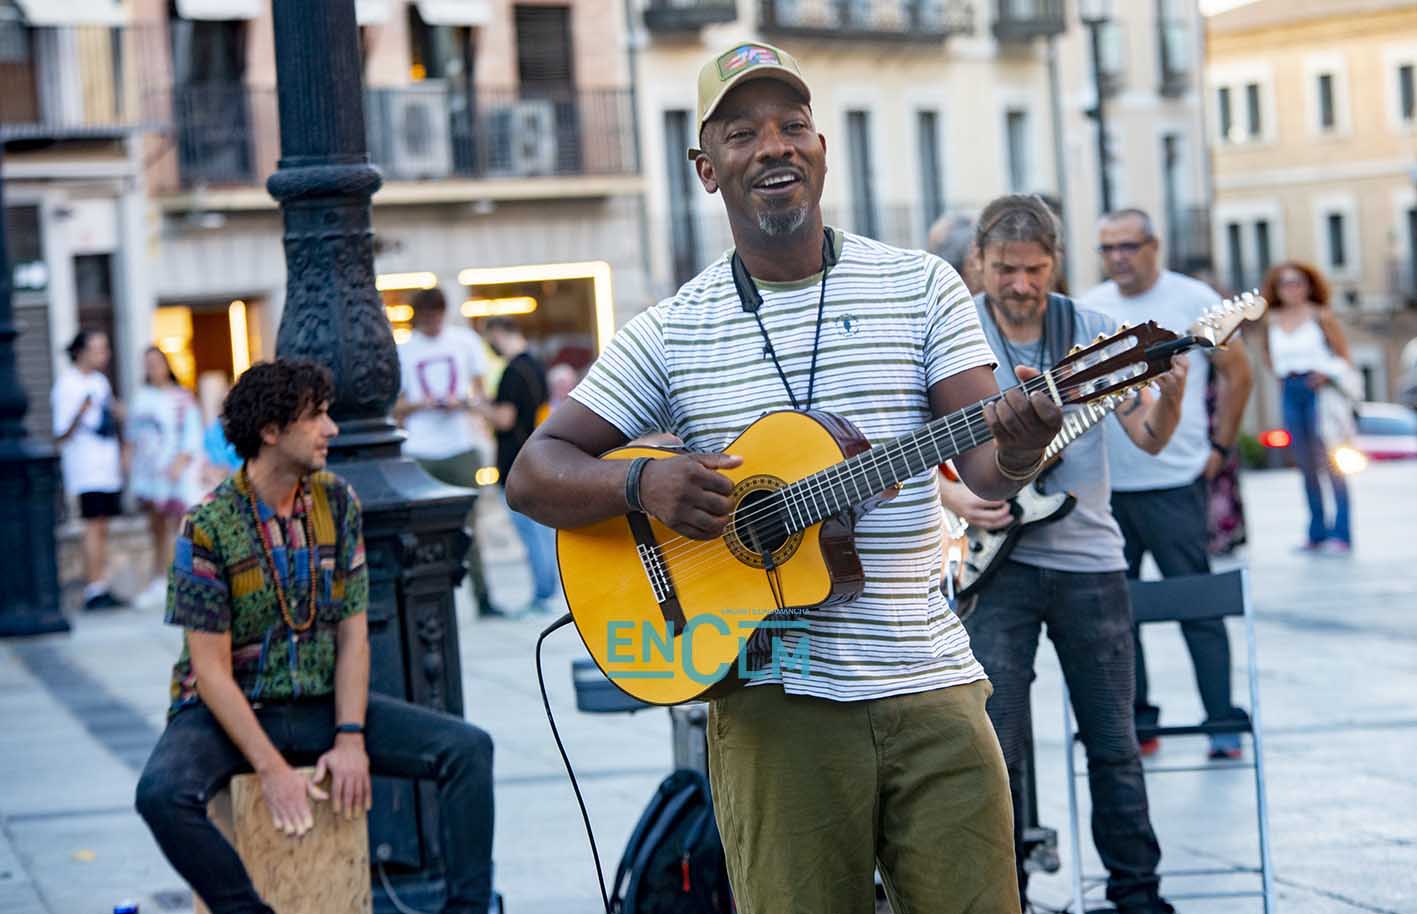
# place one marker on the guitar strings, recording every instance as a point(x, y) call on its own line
point(694, 569)
point(962, 421)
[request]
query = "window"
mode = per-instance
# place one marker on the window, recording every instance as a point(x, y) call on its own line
point(1326, 117)
point(1412, 247)
point(1262, 254)
point(1171, 198)
point(1252, 109)
point(1337, 251)
point(1235, 248)
point(863, 201)
point(1407, 93)
point(1016, 125)
point(683, 233)
point(438, 51)
point(1227, 118)
point(932, 185)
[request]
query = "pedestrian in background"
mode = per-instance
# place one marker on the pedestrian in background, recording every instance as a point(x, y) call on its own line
point(441, 369)
point(522, 393)
point(1309, 355)
point(86, 420)
point(951, 239)
point(1160, 500)
point(164, 456)
point(221, 457)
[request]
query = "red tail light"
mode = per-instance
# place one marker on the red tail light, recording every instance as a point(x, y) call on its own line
point(1275, 438)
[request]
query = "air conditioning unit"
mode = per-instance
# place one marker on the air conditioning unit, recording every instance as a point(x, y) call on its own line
point(408, 131)
point(522, 139)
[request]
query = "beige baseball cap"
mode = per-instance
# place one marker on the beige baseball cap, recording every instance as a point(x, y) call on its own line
point(740, 63)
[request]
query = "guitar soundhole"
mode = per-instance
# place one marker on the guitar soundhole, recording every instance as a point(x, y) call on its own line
point(759, 524)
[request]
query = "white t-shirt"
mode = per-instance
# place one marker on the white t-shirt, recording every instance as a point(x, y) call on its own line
point(90, 461)
point(1174, 302)
point(165, 423)
point(436, 368)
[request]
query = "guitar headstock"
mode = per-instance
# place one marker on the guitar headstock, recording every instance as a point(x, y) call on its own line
point(1116, 364)
point(1220, 322)
point(1125, 361)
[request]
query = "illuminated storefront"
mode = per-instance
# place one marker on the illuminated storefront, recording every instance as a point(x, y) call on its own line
point(204, 338)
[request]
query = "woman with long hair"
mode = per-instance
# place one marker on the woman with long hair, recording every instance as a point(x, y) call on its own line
point(165, 459)
point(1307, 351)
point(86, 418)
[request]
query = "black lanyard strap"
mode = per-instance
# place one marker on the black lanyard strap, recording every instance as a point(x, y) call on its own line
point(752, 301)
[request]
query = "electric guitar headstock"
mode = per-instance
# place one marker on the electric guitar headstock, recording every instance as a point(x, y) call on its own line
point(1131, 357)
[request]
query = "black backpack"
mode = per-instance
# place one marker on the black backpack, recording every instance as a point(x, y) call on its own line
point(673, 862)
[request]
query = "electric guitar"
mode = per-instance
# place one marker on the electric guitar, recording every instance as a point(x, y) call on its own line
point(665, 617)
point(987, 549)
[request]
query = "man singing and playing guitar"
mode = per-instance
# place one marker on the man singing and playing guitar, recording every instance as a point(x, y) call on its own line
point(877, 750)
point(1069, 573)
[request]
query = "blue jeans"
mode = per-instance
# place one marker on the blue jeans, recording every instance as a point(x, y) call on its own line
point(1089, 618)
point(540, 543)
point(1307, 449)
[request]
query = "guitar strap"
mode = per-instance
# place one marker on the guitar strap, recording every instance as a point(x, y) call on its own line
point(1059, 325)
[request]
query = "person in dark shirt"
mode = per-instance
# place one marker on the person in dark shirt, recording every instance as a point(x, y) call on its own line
point(514, 412)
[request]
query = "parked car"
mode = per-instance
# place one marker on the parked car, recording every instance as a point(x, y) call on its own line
point(1386, 431)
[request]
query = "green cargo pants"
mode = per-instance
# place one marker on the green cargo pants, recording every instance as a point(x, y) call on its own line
point(811, 795)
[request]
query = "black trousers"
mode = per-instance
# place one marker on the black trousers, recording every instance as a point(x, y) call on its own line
point(1171, 525)
point(1089, 620)
point(195, 758)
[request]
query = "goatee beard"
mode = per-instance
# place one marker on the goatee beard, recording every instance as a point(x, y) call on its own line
point(776, 224)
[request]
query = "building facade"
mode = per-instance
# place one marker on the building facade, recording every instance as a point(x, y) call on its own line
point(1312, 107)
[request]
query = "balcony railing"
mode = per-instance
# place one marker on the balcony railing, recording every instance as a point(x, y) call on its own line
point(1024, 20)
point(74, 81)
point(1189, 248)
point(1173, 40)
point(229, 134)
point(901, 20)
point(688, 15)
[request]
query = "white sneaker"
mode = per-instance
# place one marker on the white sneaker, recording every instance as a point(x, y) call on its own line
point(154, 596)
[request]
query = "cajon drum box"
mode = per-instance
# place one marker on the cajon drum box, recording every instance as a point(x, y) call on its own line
point(324, 872)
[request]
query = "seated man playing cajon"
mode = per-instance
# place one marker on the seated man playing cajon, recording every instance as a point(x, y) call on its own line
point(270, 587)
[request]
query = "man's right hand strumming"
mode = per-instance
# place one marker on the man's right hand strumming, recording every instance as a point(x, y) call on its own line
point(688, 494)
point(288, 794)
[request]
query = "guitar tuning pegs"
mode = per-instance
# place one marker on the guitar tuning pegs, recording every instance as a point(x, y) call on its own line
point(1075, 350)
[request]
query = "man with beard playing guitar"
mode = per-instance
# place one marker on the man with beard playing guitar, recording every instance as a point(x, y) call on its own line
point(882, 751)
point(1070, 573)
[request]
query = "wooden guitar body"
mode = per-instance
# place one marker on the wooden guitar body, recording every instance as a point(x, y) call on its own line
point(665, 617)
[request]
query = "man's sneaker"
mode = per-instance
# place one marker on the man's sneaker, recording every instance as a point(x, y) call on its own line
point(1226, 753)
point(1336, 548)
point(154, 595)
point(488, 611)
point(104, 600)
point(1150, 746)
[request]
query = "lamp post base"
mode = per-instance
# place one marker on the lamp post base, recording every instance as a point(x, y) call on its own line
point(29, 573)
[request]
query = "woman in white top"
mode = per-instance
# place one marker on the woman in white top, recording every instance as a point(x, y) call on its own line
point(1306, 350)
point(86, 418)
point(164, 441)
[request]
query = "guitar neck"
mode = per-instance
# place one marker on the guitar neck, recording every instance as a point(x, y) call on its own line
point(1075, 425)
point(856, 480)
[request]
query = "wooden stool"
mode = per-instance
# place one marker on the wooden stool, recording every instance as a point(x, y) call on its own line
point(324, 872)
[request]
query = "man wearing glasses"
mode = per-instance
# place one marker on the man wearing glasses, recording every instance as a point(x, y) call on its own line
point(1160, 501)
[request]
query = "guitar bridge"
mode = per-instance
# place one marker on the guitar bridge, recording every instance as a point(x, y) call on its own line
point(655, 570)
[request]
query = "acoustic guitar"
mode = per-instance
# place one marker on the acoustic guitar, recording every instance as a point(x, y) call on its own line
point(666, 617)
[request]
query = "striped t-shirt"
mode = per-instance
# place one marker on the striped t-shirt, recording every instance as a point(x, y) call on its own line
point(895, 322)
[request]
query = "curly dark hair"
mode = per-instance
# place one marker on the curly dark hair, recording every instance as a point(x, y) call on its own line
point(272, 393)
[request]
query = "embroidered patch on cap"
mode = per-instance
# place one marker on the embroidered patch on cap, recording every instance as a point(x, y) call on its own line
point(745, 56)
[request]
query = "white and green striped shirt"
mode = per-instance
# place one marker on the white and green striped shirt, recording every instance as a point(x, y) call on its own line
point(895, 323)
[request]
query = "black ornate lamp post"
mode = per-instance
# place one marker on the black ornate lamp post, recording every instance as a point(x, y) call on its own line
point(29, 490)
point(333, 314)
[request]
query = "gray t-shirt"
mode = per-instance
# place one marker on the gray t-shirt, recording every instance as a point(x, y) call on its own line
point(1088, 538)
point(1174, 302)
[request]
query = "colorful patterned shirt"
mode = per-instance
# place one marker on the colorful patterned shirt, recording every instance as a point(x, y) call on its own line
point(220, 582)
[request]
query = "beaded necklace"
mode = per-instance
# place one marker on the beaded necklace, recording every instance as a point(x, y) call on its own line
point(270, 555)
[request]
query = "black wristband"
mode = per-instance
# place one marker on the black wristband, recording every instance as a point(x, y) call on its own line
point(632, 483)
point(1221, 449)
point(350, 728)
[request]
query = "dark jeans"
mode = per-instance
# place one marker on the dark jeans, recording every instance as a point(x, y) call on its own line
point(195, 758)
point(1311, 457)
point(1171, 525)
point(1089, 622)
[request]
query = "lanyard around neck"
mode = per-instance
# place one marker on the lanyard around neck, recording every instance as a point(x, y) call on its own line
point(752, 301)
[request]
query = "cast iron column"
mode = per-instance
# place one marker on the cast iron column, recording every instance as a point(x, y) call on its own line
point(333, 314)
point(29, 489)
